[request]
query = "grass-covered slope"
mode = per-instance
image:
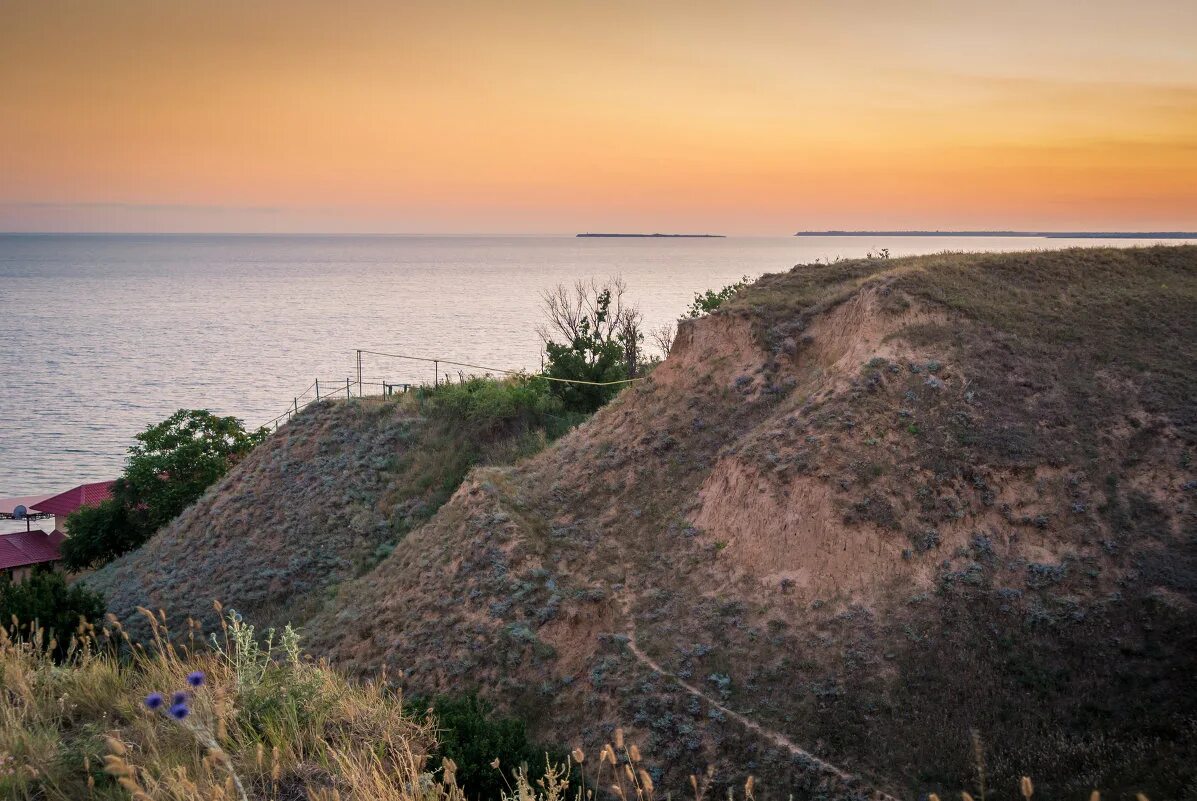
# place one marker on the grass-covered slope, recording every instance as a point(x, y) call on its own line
point(324, 499)
point(868, 516)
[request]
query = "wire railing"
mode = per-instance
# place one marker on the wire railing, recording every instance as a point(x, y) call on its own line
point(320, 390)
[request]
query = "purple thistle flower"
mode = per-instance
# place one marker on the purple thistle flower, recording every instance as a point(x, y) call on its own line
point(154, 700)
point(195, 678)
point(178, 698)
point(179, 711)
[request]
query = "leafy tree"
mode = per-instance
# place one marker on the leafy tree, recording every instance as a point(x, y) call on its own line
point(99, 534)
point(473, 736)
point(586, 359)
point(602, 337)
point(168, 469)
point(45, 599)
point(175, 461)
point(706, 302)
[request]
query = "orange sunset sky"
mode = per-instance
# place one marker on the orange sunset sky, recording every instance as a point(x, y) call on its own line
point(461, 116)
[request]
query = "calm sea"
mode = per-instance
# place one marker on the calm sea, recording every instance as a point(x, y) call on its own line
point(103, 335)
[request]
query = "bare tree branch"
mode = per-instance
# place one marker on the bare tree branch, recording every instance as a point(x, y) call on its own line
point(572, 311)
point(662, 337)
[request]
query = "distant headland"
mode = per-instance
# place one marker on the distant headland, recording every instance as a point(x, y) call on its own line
point(654, 236)
point(1034, 234)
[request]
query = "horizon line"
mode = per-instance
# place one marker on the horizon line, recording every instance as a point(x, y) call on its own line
point(928, 232)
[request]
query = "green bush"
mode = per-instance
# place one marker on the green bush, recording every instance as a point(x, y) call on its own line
point(474, 736)
point(495, 407)
point(601, 343)
point(45, 600)
point(706, 302)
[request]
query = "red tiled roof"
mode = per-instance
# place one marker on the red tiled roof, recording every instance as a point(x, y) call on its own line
point(83, 495)
point(29, 548)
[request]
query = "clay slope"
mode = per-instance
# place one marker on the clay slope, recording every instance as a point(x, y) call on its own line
point(867, 516)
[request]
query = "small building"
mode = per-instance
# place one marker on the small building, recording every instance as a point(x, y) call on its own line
point(62, 504)
point(22, 551)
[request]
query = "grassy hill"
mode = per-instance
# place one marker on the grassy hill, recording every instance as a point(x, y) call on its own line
point(324, 500)
point(867, 522)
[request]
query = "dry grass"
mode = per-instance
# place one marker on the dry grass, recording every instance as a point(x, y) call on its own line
point(265, 724)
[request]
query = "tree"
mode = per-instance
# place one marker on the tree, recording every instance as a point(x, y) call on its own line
point(585, 309)
point(663, 338)
point(602, 337)
point(99, 534)
point(46, 602)
point(168, 469)
point(175, 461)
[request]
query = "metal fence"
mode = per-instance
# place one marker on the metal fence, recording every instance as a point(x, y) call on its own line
point(362, 386)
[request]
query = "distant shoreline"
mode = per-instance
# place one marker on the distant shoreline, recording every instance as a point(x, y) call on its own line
point(1019, 234)
point(651, 236)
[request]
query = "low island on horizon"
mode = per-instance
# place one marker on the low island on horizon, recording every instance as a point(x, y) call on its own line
point(651, 236)
point(1026, 234)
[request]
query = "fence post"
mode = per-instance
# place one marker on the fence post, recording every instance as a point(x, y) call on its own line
point(346, 387)
point(297, 405)
point(317, 389)
point(359, 373)
point(436, 373)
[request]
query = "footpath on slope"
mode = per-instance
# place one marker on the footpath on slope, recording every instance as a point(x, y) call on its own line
point(776, 738)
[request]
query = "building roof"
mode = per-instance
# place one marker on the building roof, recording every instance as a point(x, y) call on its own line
point(83, 495)
point(24, 548)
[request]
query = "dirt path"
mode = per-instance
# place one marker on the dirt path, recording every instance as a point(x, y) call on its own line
point(776, 738)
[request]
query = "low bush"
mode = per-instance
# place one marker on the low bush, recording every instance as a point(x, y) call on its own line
point(472, 734)
point(50, 607)
point(490, 407)
point(706, 302)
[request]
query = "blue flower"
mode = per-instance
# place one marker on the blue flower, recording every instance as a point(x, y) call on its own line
point(179, 711)
point(195, 678)
point(154, 700)
point(178, 698)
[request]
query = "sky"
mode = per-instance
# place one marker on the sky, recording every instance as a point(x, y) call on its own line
point(557, 116)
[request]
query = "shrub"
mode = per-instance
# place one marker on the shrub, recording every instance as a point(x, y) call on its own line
point(706, 302)
point(586, 360)
point(99, 534)
point(472, 735)
point(45, 602)
point(492, 407)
